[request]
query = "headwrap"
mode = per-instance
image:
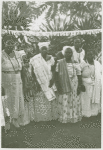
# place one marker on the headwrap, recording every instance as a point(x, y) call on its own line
point(64, 49)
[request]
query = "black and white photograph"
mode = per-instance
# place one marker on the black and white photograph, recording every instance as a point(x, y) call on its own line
point(51, 74)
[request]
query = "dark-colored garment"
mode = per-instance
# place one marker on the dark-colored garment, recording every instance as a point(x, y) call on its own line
point(59, 55)
point(28, 82)
point(63, 77)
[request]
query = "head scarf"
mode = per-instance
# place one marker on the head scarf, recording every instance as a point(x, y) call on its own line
point(64, 49)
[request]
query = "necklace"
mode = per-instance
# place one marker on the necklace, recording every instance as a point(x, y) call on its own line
point(12, 63)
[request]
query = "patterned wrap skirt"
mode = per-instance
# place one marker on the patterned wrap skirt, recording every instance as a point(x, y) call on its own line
point(69, 105)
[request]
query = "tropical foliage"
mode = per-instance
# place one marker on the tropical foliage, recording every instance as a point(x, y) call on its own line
point(59, 16)
point(18, 15)
point(77, 16)
point(14, 16)
point(58, 23)
point(76, 10)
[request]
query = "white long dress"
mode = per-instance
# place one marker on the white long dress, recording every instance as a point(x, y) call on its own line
point(2, 116)
point(89, 108)
point(12, 84)
point(4, 110)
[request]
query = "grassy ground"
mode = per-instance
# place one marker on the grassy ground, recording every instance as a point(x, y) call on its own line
point(53, 134)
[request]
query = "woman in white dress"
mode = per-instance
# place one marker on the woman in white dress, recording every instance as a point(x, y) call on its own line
point(91, 77)
point(12, 83)
point(5, 114)
point(45, 99)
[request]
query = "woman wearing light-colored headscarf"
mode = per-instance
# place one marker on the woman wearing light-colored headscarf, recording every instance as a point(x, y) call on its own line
point(45, 100)
point(69, 85)
point(78, 51)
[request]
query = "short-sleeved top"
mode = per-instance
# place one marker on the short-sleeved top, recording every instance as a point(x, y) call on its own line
point(73, 69)
point(78, 57)
point(7, 64)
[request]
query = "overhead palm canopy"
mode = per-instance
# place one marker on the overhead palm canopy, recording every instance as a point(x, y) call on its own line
point(21, 13)
point(18, 15)
point(59, 23)
point(75, 9)
point(59, 16)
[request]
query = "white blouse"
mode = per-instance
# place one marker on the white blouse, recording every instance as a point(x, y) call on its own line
point(9, 63)
point(78, 57)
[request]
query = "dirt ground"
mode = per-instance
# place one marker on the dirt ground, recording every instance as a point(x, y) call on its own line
point(53, 134)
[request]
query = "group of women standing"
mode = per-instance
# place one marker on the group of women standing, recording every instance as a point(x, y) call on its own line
point(44, 88)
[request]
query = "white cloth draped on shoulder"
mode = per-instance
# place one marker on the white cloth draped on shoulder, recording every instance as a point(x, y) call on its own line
point(43, 75)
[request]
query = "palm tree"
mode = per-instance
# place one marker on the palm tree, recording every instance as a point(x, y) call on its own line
point(18, 15)
point(87, 23)
point(74, 9)
point(58, 23)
